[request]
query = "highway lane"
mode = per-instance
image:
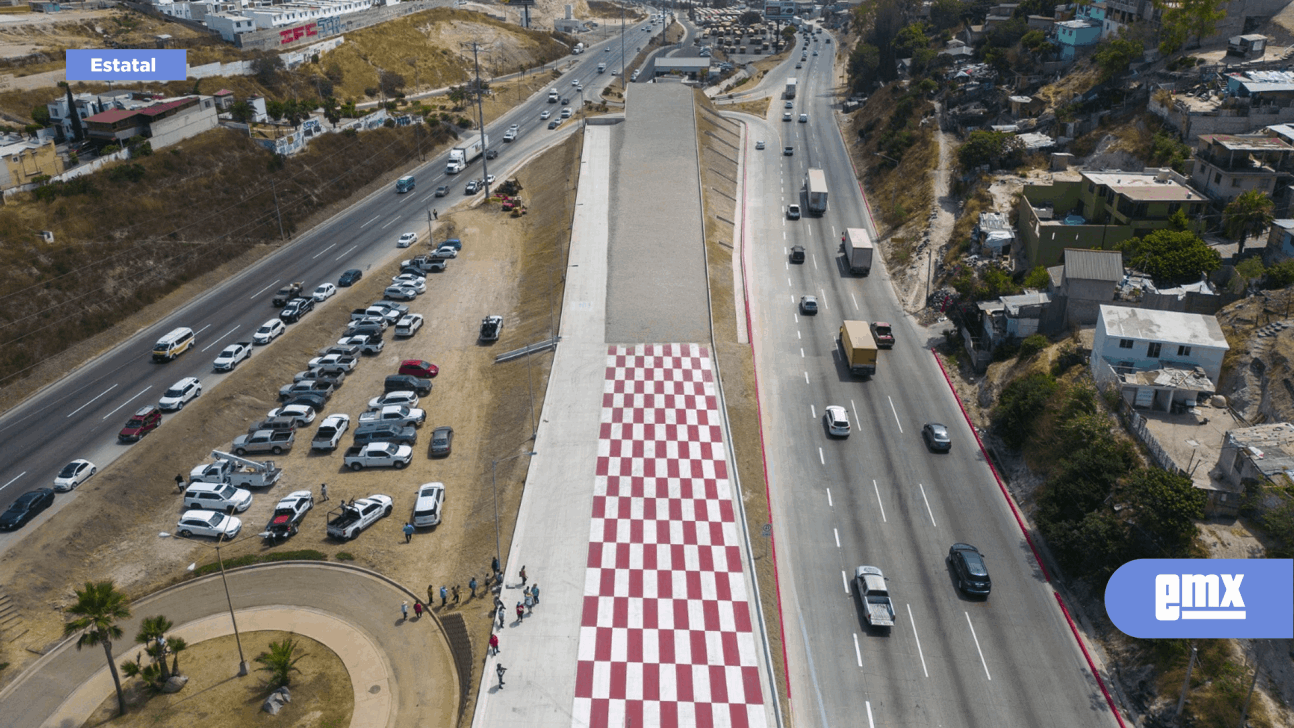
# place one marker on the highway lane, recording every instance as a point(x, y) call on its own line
point(879, 497)
point(79, 416)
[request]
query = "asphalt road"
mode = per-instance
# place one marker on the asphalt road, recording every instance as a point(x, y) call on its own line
point(79, 416)
point(879, 497)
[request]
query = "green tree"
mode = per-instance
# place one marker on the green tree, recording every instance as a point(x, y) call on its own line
point(152, 632)
point(391, 82)
point(1183, 19)
point(1037, 279)
point(1167, 506)
point(1170, 256)
point(1281, 274)
point(1034, 40)
point(864, 64)
point(911, 38)
point(280, 662)
point(1032, 345)
point(1114, 56)
point(945, 14)
point(992, 148)
point(268, 69)
point(78, 131)
point(176, 645)
point(1093, 546)
point(750, 17)
point(1251, 269)
point(40, 115)
point(1248, 215)
point(98, 609)
point(241, 111)
point(1178, 221)
point(1167, 151)
point(1019, 405)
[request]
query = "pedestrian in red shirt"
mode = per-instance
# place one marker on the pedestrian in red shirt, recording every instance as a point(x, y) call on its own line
point(494, 644)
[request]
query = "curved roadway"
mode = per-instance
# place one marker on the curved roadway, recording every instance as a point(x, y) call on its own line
point(402, 671)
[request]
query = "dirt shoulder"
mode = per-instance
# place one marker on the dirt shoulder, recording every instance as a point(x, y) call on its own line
point(113, 532)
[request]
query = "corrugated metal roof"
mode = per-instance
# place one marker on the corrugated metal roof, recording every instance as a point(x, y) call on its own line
point(1093, 265)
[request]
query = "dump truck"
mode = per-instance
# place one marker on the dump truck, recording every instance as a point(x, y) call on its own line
point(815, 191)
point(790, 89)
point(874, 596)
point(858, 251)
point(858, 348)
point(246, 473)
point(287, 293)
point(460, 157)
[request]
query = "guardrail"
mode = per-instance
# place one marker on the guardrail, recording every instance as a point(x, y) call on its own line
point(528, 350)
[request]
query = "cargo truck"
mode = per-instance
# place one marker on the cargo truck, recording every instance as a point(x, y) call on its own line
point(602, 68)
point(790, 89)
point(858, 251)
point(460, 157)
point(815, 191)
point(858, 348)
point(578, 49)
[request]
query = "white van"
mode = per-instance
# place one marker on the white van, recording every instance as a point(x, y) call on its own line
point(173, 344)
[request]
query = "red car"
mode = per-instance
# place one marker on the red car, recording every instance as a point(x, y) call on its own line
point(884, 335)
point(141, 423)
point(418, 368)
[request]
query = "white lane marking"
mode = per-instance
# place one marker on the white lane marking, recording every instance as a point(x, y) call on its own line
point(802, 352)
point(825, 303)
point(370, 222)
point(325, 250)
point(343, 255)
point(833, 231)
point(123, 404)
point(258, 293)
point(204, 328)
point(845, 579)
point(927, 500)
point(977, 648)
point(217, 340)
point(87, 404)
point(788, 283)
point(914, 634)
point(857, 652)
point(829, 503)
point(798, 335)
point(392, 222)
point(855, 300)
point(877, 488)
point(837, 532)
point(855, 409)
point(19, 475)
point(820, 455)
point(896, 414)
point(815, 261)
point(806, 377)
point(871, 723)
point(813, 409)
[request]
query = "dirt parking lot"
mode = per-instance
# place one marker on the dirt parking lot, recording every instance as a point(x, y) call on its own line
point(508, 266)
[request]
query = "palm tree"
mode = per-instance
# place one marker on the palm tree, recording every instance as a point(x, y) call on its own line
point(1249, 214)
point(152, 630)
point(280, 662)
point(99, 606)
point(176, 645)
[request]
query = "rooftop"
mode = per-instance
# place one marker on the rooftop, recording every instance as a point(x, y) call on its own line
point(1270, 447)
point(1172, 326)
point(1144, 186)
point(1094, 265)
point(1247, 142)
point(1192, 380)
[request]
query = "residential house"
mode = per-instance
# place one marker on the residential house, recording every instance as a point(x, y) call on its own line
point(1012, 318)
point(230, 25)
point(25, 159)
point(163, 123)
point(1280, 242)
point(268, 17)
point(86, 105)
point(1101, 209)
point(1251, 101)
point(1261, 454)
point(1140, 340)
point(1247, 46)
point(1084, 31)
point(1088, 279)
point(994, 235)
point(1227, 165)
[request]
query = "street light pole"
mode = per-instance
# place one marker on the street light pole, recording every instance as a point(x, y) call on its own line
point(242, 661)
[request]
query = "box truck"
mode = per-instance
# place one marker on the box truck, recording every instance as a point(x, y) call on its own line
point(790, 89)
point(815, 191)
point(858, 348)
point(858, 251)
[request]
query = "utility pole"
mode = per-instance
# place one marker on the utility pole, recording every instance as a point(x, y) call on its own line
point(1181, 701)
point(1258, 667)
point(480, 120)
point(277, 212)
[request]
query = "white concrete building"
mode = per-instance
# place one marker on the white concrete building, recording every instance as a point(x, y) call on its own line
point(230, 25)
point(288, 14)
point(1139, 340)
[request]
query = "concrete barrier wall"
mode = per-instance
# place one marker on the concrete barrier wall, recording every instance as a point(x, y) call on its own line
point(270, 40)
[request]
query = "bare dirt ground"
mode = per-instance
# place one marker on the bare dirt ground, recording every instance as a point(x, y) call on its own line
point(321, 694)
point(113, 532)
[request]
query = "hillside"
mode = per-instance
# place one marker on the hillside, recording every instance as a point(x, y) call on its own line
point(1258, 376)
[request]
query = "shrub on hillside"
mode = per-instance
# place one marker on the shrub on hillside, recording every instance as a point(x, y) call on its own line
point(1019, 405)
point(1032, 345)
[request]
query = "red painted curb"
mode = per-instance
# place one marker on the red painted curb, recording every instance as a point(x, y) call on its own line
point(763, 455)
point(1018, 520)
point(1091, 665)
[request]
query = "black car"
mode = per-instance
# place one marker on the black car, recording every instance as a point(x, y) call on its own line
point(491, 154)
point(407, 383)
point(28, 506)
point(936, 436)
point(386, 432)
point(968, 566)
point(471, 187)
point(442, 190)
point(554, 124)
point(442, 441)
point(313, 400)
point(352, 276)
point(797, 253)
point(295, 309)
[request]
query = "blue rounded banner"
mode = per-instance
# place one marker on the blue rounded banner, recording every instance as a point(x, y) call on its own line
point(1203, 598)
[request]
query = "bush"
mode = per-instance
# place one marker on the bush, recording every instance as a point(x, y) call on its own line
point(249, 559)
point(345, 556)
point(1019, 405)
point(1032, 345)
point(1167, 506)
point(127, 173)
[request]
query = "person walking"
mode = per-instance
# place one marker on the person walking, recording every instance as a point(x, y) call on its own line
point(523, 575)
point(179, 485)
point(435, 215)
point(500, 669)
point(494, 566)
point(444, 596)
point(472, 584)
point(530, 603)
point(520, 612)
point(417, 609)
point(408, 531)
point(456, 594)
point(499, 613)
point(404, 609)
point(534, 593)
point(494, 644)
point(323, 492)
point(431, 596)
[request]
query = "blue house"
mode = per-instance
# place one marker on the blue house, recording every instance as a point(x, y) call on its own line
point(1084, 30)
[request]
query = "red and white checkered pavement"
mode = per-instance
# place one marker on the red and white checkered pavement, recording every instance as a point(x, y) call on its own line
point(666, 636)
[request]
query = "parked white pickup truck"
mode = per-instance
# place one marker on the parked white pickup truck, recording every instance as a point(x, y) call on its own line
point(330, 432)
point(378, 455)
point(347, 521)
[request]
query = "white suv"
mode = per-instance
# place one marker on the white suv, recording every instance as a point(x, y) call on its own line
point(217, 497)
point(180, 393)
point(427, 507)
